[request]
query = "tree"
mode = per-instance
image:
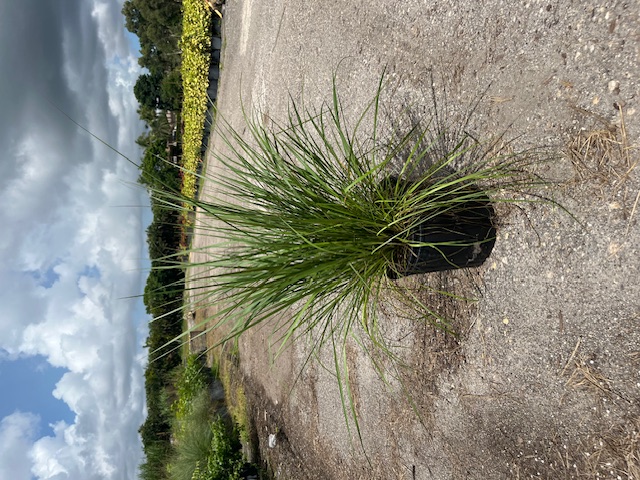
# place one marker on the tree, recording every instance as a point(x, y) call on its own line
point(133, 16)
point(171, 90)
point(147, 91)
point(157, 24)
point(145, 139)
point(156, 172)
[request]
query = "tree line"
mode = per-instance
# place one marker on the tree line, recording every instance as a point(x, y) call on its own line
point(158, 26)
point(163, 299)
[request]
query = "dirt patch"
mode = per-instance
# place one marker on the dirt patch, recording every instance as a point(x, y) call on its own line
point(544, 379)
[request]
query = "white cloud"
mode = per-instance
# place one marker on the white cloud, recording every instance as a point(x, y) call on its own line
point(99, 443)
point(124, 72)
point(70, 221)
point(48, 455)
point(87, 328)
point(17, 432)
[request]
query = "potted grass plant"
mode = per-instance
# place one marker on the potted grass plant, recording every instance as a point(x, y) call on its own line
point(314, 221)
point(315, 217)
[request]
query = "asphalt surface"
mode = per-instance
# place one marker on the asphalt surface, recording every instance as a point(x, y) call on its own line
point(547, 372)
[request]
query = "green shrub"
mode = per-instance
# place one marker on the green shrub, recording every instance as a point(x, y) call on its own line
point(193, 379)
point(225, 458)
point(207, 444)
point(196, 45)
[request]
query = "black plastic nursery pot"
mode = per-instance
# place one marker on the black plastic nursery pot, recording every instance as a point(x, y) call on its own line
point(461, 239)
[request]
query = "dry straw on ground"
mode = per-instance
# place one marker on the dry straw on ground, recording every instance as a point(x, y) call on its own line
point(603, 154)
point(613, 453)
point(604, 157)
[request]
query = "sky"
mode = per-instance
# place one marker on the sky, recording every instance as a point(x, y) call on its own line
point(72, 249)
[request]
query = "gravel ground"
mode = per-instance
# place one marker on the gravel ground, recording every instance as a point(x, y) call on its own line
point(544, 382)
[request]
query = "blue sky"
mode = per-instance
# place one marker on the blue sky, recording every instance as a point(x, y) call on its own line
point(72, 249)
point(27, 385)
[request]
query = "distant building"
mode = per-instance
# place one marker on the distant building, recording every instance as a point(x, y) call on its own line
point(174, 149)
